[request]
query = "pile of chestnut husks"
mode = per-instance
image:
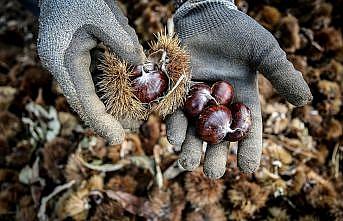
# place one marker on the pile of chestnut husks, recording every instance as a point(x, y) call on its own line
point(149, 82)
point(216, 118)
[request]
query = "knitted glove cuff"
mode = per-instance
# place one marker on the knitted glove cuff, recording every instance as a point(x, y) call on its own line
point(189, 17)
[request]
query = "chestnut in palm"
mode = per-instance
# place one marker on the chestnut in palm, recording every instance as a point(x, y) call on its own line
point(217, 121)
point(214, 123)
point(241, 122)
point(149, 83)
point(223, 92)
point(197, 100)
point(201, 95)
point(200, 87)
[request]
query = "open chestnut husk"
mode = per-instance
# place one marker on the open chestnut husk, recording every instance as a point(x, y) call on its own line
point(241, 122)
point(214, 123)
point(149, 83)
point(158, 86)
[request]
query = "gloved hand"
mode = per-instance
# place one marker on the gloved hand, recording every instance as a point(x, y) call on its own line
point(68, 30)
point(226, 44)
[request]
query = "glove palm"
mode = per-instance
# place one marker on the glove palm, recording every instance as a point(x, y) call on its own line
point(226, 44)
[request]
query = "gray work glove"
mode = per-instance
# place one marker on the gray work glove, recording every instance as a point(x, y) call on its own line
point(226, 44)
point(68, 30)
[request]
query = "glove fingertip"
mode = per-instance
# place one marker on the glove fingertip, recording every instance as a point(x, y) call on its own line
point(177, 148)
point(123, 44)
point(213, 173)
point(189, 162)
point(117, 136)
point(301, 99)
point(249, 155)
point(176, 128)
point(173, 139)
point(137, 57)
point(247, 166)
point(134, 55)
point(191, 152)
point(215, 160)
point(107, 127)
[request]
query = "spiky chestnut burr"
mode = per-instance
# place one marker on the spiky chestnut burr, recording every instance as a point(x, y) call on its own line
point(116, 84)
point(149, 82)
point(241, 122)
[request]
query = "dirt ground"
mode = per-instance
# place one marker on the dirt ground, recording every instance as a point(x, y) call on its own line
point(55, 168)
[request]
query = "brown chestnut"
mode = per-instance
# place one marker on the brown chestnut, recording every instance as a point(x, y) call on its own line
point(149, 83)
point(214, 123)
point(137, 71)
point(200, 87)
point(198, 97)
point(241, 122)
point(223, 92)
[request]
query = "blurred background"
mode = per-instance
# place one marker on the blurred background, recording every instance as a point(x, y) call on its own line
point(54, 167)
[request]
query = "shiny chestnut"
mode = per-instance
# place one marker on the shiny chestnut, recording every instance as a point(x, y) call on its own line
point(241, 122)
point(222, 92)
point(148, 82)
point(198, 97)
point(214, 123)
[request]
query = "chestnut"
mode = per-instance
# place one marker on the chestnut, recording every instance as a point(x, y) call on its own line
point(214, 123)
point(217, 121)
point(137, 71)
point(198, 97)
point(149, 82)
point(200, 87)
point(241, 122)
point(223, 92)
point(201, 95)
